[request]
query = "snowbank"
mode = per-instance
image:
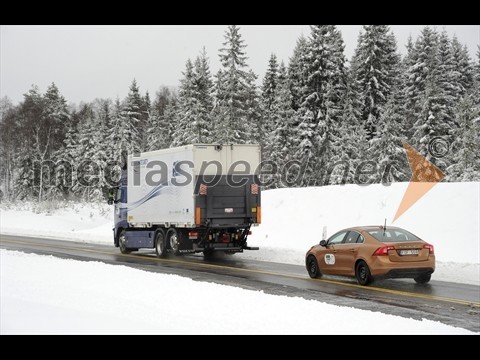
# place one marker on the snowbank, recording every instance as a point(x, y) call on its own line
point(45, 295)
point(293, 219)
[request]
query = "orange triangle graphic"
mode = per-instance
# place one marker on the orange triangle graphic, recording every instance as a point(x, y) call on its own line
point(425, 177)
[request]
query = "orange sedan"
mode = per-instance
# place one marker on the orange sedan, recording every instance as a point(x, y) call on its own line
point(368, 252)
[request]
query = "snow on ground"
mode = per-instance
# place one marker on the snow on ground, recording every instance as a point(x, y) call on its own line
point(293, 219)
point(47, 295)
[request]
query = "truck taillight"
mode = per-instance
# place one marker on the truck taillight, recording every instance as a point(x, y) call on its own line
point(429, 247)
point(259, 215)
point(198, 213)
point(383, 251)
point(254, 189)
point(203, 189)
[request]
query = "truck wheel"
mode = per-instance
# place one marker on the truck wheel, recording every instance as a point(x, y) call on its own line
point(122, 243)
point(174, 239)
point(160, 245)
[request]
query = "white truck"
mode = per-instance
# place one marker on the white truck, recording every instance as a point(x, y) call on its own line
point(194, 198)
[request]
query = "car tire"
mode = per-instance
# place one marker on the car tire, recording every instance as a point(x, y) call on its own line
point(312, 267)
point(423, 279)
point(362, 273)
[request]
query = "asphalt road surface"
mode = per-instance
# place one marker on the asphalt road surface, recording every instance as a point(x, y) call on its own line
point(450, 303)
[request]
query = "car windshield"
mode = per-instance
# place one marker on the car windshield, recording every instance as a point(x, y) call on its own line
point(393, 235)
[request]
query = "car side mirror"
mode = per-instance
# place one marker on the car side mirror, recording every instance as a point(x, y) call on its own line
point(323, 243)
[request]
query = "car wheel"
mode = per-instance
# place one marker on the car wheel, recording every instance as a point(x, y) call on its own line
point(362, 273)
point(312, 267)
point(423, 279)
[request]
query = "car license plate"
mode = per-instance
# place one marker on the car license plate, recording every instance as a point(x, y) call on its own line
point(228, 210)
point(408, 252)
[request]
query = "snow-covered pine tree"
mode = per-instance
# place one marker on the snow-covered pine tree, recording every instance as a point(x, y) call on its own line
point(56, 117)
point(27, 124)
point(465, 150)
point(375, 66)
point(297, 72)
point(269, 85)
point(432, 119)
point(142, 126)
point(463, 72)
point(161, 121)
point(122, 134)
point(255, 125)
point(320, 112)
point(405, 80)
point(477, 66)
point(42, 124)
point(387, 147)
point(446, 78)
point(203, 88)
point(421, 60)
point(233, 92)
point(185, 124)
point(195, 104)
point(432, 105)
point(354, 145)
point(280, 141)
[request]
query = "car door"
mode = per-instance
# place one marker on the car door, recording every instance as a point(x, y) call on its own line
point(346, 253)
point(327, 258)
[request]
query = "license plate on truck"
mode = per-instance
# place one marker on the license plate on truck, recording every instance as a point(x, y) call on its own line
point(408, 252)
point(228, 210)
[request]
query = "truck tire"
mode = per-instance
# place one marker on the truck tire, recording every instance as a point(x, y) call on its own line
point(122, 243)
point(174, 238)
point(160, 244)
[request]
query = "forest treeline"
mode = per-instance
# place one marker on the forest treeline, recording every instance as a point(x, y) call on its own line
point(341, 121)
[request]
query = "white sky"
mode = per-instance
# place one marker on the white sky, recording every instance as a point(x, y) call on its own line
point(87, 62)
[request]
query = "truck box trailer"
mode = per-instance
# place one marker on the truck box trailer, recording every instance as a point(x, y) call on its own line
point(194, 198)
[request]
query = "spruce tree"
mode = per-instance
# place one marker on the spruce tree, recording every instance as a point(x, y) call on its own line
point(465, 150)
point(234, 94)
point(375, 66)
point(321, 110)
point(186, 102)
point(297, 72)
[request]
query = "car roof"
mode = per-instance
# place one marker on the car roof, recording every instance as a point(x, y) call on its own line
point(371, 227)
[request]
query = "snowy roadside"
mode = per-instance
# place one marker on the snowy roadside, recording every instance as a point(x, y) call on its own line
point(46, 295)
point(448, 217)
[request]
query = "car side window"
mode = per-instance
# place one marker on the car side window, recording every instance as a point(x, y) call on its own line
point(337, 238)
point(351, 237)
point(360, 239)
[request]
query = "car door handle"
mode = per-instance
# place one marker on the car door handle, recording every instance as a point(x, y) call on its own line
point(353, 250)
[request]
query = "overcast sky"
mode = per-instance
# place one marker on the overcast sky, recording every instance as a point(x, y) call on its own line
point(88, 62)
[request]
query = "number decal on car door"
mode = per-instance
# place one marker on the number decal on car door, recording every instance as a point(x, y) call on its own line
point(329, 259)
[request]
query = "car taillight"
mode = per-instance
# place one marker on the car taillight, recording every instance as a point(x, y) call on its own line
point(383, 251)
point(429, 247)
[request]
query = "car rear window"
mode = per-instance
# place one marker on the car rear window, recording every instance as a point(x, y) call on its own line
point(393, 235)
